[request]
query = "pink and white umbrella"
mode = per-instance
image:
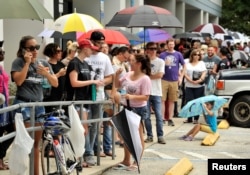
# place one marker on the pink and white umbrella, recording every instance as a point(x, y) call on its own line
point(209, 28)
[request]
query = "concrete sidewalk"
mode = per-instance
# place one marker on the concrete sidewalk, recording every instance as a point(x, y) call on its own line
point(107, 162)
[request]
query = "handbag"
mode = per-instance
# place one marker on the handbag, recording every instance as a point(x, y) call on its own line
point(197, 76)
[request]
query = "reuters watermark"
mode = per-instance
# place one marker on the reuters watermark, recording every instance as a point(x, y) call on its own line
point(228, 166)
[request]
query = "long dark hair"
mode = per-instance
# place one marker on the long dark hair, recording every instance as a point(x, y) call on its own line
point(22, 44)
point(50, 49)
point(145, 63)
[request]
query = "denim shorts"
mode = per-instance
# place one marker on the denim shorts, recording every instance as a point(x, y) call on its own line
point(141, 111)
point(26, 112)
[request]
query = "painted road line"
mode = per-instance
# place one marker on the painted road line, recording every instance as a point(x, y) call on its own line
point(230, 155)
point(200, 156)
point(160, 154)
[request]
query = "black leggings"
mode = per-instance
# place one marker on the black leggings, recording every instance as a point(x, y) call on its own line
point(191, 94)
point(5, 145)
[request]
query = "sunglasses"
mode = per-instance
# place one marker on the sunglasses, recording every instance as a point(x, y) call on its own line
point(33, 48)
point(152, 48)
point(2, 52)
point(58, 51)
point(197, 54)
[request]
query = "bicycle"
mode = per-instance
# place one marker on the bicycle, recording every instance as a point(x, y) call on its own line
point(56, 141)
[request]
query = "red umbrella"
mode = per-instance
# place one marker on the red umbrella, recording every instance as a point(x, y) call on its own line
point(209, 28)
point(111, 36)
point(144, 16)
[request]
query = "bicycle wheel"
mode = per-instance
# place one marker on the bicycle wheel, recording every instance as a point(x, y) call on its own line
point(48, 160)
point(72, 163)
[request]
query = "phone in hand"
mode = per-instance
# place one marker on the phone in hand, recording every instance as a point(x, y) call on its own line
point(23, 52)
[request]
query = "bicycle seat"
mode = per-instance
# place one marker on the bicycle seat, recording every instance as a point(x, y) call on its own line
point(57, 125)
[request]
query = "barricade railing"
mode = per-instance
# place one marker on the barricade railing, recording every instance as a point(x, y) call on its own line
point(34, 128)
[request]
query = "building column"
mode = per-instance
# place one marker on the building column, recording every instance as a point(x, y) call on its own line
point(180, 14)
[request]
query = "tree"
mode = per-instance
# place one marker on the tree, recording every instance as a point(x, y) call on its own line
point(236, 16)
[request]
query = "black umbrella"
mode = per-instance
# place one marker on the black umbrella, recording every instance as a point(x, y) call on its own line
point(46, 33)
point(187, 35)
point(145, 16)
point(127, 125)
point(129, 36)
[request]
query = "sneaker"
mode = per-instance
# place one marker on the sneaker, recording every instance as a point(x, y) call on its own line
point(90, 160)
point(161, 141)
point(183, 137)
point(189, 138)
point(170, 123)
point(164, 121)
point(148, 140)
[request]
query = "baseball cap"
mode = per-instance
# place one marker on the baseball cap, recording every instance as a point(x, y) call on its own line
point(97, 35)
point(87, 43)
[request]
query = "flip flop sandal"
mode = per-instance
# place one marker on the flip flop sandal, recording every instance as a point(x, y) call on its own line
point(85, 165)
point(132, 168)
point(121, 166)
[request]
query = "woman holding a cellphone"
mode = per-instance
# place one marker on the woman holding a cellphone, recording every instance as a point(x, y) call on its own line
point(28, 76)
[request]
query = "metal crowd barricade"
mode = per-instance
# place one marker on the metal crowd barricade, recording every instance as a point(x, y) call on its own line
point(34, 128)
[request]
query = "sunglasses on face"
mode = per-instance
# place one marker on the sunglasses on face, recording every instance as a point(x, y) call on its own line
point(58, 51)
point(2, 52)
point(152, 48)
point(33, 48)
point(197, 54)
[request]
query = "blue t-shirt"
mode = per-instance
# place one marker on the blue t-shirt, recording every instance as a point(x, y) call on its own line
point(212, 122)
point(172, 65)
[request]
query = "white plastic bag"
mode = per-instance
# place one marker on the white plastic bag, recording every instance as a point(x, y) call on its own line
point(21, 148)
point(76, 133)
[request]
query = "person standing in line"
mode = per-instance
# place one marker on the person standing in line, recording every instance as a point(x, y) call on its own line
point(71, 52)
point(157, 71)
point(78, 80)
point(6, 126)
point(211, 60)
point(54, 53)
point(105, 148)
point(28, 73)
point(103, 71)
point(119, 61)
point(138, 87)
point(224, 62)
point(172, 78)
point(194, 85)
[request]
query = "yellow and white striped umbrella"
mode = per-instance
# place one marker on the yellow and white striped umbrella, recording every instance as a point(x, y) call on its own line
point(76, 22)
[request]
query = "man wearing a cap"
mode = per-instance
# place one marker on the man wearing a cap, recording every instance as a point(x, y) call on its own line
point(103, 70)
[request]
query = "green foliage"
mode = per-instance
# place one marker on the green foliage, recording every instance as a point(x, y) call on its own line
point(236, 16)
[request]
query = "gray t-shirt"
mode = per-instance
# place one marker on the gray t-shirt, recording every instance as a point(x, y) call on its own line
point(32, 86)
point(210, 62)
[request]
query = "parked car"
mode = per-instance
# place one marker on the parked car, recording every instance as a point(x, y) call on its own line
point(234, 85)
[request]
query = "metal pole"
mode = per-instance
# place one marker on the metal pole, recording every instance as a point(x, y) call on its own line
point(102, 12)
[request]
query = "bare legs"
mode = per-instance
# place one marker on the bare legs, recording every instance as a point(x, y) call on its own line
point(38, 136)
point(126, 161)
point(194, 130)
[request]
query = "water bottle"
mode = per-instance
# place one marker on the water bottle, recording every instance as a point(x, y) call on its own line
point(100, 95)
point(93, 92)
point(59, 152)
point(123, 92)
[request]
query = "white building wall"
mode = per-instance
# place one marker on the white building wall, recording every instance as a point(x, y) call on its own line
point(193, 18)
point(14, 29)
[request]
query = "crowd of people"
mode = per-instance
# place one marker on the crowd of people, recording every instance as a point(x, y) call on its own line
point(152, 78)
